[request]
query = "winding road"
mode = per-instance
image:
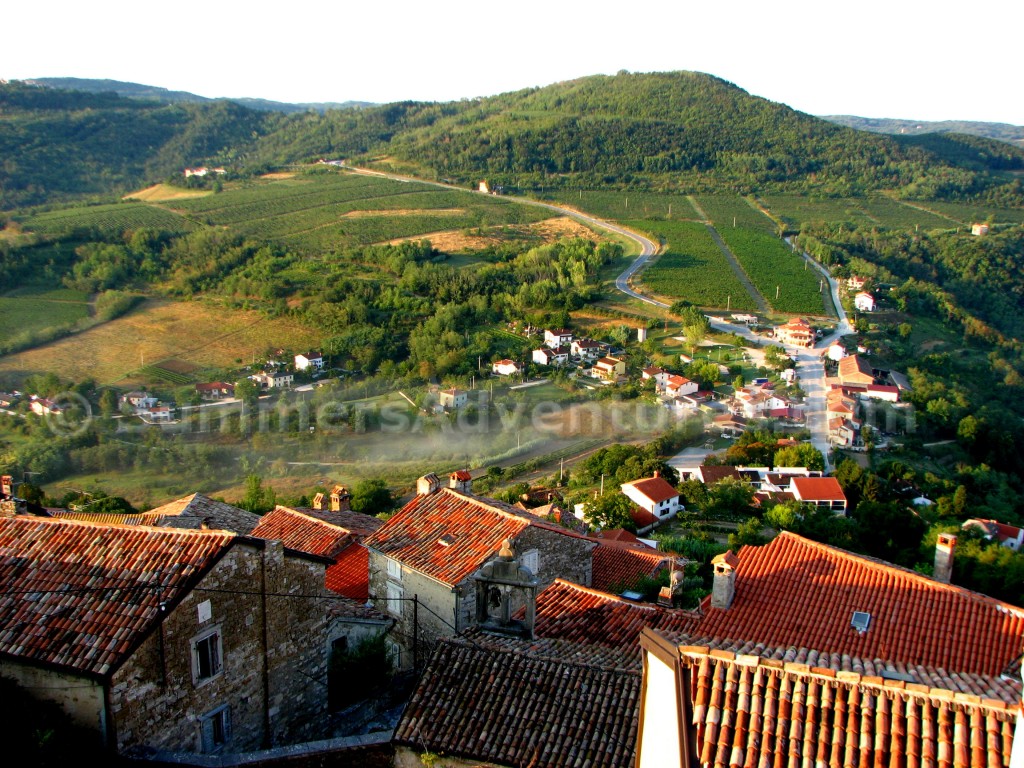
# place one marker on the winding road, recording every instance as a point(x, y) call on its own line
point(809, 366)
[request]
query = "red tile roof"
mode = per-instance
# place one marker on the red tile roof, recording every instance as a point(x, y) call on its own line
point(516, 709)
point(619, 565)
point(657, 489)
point(817, 489)
point(192, 511)
point(350, 574)
point(81, 597)
point(748, 710)
point(474, 528)
point(302, 532)
point(642, 518)
point(796, 592)
point(356, 523)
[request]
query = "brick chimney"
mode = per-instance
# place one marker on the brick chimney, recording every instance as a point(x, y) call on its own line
point(945, 547)
point(427, 484)
point(723, 588)
point(7, 485)
point(340, 498)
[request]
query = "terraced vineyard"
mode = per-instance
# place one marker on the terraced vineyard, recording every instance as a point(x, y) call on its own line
point(883, 212)
point(107, 219)
point(628, 205)
point(692, 268)
point(730, 211)
point(966, 214)
point(786, 281)
point(319, 213)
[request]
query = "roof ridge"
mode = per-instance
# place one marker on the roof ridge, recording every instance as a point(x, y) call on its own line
point(123, 526)
point(308, 518)
point(606, 595)
point(885, 565)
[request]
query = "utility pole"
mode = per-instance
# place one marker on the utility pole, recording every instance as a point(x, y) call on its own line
point(602, 483)
point(561, 468)
point(670, 210)
point(776, 292)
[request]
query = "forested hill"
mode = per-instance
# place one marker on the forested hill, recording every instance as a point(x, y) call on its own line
point(681, 130)
point(60, 144)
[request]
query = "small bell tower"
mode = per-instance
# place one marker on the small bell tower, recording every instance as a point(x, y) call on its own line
point(502, 587)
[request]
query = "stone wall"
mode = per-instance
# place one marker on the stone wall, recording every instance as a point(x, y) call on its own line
point(560, 556)
point(273, 650)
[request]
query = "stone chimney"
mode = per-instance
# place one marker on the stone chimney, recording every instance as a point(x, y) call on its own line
point(724, 587)
point(340, 498)
point(319, 501)
point(427, 484)
point(7, 485)
point(945, 547)
point(503, 586)
point(461, 481)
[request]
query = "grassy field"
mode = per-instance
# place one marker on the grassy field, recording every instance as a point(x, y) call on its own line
point(199, 334)
point(692, 268)
point(33, 308)
point(882, 212)
point(785, 280)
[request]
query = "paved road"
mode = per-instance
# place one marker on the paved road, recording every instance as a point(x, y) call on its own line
point(810, 370)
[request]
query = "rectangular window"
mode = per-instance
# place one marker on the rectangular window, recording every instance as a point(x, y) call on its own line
point(216, 729)
point(395, 594)
point(206, 656)
point(394, 570)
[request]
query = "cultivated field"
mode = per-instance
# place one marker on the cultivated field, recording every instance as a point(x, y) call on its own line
point(325, 212)
point(628, 205)
point(159, 193)
point(785, 280)
point(692, 268)
point(162, 334)
point(732, 211)
point(108, 219)
point(882, 212)
point(26, 310)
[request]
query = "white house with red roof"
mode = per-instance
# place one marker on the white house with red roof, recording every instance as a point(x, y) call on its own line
point(821, 491)
point(506, 367)
point(864, 302)
point(587, 349)
point(309, 361)
point(1009, 536)
point(558, 337)
point(655, 495)
point(679, 386)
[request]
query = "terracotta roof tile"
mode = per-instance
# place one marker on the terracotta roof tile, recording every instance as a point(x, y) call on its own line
point(617, 565)
point(79, 596)
point(796, 592)
point(516, 709)
point(350, 574)
point(302, 532)
point(657, 489)
point(472, 526)
point(817, 489)
point(749, 711)
point(356, 523)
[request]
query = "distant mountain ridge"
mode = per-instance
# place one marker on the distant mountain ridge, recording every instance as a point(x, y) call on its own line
point(1014, 134)
point(165, 96)
point(683, 131)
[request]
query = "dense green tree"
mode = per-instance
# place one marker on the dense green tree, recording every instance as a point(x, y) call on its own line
point(372, 497)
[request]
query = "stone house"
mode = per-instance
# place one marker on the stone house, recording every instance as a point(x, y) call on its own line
point(166, 641)
point(453, 399)
point(423, 559)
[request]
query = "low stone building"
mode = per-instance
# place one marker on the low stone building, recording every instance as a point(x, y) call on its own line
point(423, 560)
point(166, 641)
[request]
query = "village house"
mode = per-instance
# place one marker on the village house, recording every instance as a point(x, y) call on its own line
point(654, 372)
point(423, 560)
point(215, 390)
point(654, 495)
point(1009, 536)
point(560, 690)
point(165, 641)
point(610, 368)
point(797, 332)
point(453, 399)
point(44, 406)
point(864, 302)
point(8, 399)
point(854, 369)
point(759, 403)
point(549, 356)
point(160, 414)
point(856, 283)
point(979, 230)
point(139, 401)
point(587, 349)
point(559, 337)
point(807, 654)
point(679, 386)
point(822, 492)
point(273, 379)
point(834, 352)
point(506, 367)
point(309, 361)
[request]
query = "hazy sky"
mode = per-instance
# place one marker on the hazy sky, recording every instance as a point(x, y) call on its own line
point(899, 58)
